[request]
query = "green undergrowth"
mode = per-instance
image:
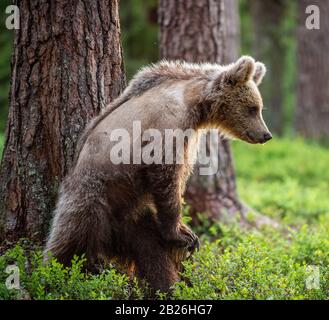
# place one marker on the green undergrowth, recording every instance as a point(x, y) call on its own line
point(286, 179)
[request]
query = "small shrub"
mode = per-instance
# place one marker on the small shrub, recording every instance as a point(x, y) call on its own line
point(47, 281)
point(258, 265)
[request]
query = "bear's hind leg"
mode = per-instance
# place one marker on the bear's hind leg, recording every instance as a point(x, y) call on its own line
point(77, 230)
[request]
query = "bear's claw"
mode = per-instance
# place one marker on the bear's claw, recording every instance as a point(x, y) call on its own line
point(185, 238)
point(195, 246)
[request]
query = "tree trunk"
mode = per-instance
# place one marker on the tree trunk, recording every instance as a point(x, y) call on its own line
point(205, 31)
point(66, 66)
point(312, 110)
point(269, 47)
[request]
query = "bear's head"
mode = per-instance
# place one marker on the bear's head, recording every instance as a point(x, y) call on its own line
point(236, 104)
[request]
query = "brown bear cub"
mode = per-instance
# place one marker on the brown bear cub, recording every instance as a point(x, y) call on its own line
point(130, 211)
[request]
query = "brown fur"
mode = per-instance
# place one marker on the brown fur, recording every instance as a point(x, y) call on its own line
point(131, 212)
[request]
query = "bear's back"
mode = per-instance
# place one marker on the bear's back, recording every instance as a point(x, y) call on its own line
point(159, 108)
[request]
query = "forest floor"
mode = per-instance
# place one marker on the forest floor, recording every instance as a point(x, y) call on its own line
point(286, 179)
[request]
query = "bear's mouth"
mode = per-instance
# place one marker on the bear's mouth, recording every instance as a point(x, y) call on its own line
point(250, 139)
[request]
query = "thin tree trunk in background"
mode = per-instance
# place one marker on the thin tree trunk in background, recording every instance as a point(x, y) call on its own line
point(205, 31)
point(267, 18)
point(312, 110)
point(231, 31)
point(66, 66)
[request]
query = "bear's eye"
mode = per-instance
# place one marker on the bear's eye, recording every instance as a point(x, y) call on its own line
point(252, 110)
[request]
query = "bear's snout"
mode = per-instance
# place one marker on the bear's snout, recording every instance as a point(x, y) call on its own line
point(267, 136)
point(259, 137)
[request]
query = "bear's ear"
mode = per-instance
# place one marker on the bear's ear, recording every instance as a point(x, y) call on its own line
point(260, 71)
point(240, 71)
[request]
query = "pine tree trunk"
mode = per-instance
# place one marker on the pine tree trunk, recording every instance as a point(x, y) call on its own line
point(312, 110)
point(267, 17)
point(66, 66)
point(205, 31)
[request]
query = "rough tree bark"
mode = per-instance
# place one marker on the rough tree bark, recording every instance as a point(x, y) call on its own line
point(205, 31)
point(66, 65)
point(312, 110)
point(267, 17)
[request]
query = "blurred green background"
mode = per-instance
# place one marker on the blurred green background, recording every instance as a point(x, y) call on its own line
point(6, 38)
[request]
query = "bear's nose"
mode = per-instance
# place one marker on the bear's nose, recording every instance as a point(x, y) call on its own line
point(267, 136)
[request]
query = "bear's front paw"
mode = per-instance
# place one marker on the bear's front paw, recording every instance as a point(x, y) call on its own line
point(183, 237)
point(192, 239)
